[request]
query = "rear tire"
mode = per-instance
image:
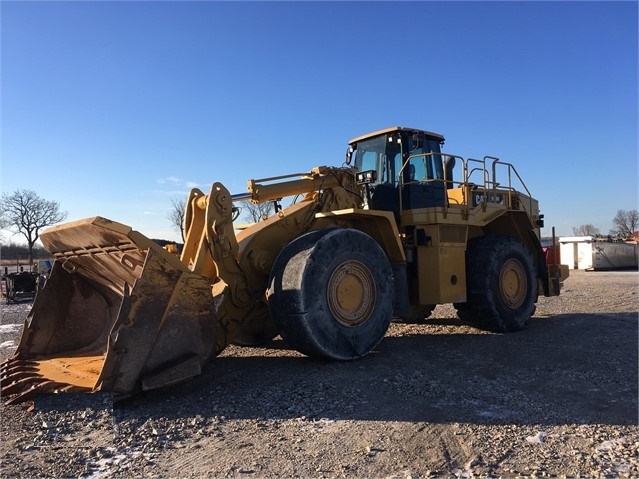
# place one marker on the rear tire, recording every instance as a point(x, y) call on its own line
point(331, 294)
point(501, 285)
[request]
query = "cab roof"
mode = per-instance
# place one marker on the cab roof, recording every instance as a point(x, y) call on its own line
point(436, 136)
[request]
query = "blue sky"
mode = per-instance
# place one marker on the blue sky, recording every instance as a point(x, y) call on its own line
point(117, 108)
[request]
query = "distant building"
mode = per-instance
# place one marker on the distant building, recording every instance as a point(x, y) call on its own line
point(587, 252)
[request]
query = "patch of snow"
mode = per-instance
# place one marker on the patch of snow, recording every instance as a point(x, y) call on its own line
point(610, 445)
point(105, 467)
point(9, 328)
point(538, 438)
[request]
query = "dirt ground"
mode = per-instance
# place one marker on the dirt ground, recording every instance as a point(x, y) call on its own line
point(558, 399)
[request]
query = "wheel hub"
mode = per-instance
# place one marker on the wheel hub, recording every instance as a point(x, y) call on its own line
point(513, 283)
point(351, 293)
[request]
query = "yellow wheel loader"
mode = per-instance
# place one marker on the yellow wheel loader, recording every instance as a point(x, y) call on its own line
point(396, 230)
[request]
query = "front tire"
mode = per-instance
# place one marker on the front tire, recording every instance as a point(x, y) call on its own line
point(501, 286)
point(331, 294)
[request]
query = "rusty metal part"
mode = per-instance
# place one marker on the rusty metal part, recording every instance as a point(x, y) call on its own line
point(117, 314)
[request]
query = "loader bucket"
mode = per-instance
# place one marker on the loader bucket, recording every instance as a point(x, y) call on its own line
point(118, 314)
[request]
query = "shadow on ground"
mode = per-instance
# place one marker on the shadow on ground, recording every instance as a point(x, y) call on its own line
point(557, 371)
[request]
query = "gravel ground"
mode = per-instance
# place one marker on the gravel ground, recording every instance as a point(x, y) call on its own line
point(436, 400)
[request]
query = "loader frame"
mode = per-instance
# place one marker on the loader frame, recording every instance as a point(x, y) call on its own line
point(355, 248)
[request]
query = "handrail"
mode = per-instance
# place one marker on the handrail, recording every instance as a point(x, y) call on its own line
point(400, 176)
point(488, 183)
point(510, 168)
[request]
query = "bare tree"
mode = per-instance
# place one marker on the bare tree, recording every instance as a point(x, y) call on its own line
point(255, 212)
point(3, 223)
point(176, 215)
point(625, 223)
point(24, 212)
point(585, 230)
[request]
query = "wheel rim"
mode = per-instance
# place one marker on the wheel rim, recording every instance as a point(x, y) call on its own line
point(351, 293)
point(513, 283)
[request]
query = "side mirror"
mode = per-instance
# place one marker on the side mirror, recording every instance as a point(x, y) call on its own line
point(349, 155)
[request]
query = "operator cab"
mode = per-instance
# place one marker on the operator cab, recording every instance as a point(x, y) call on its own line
point(400, 163)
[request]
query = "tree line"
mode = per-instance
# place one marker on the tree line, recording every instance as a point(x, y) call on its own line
point(26, 213)
point(625, 226)
point(12, 251)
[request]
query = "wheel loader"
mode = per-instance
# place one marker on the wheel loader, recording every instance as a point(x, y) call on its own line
point(399, 228)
